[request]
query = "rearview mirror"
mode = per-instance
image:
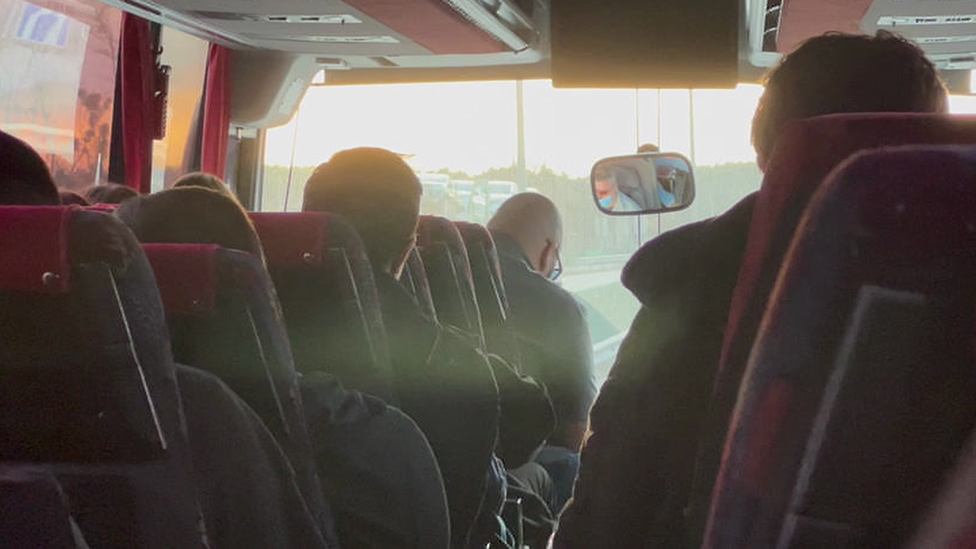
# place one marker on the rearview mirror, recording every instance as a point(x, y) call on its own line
point(643, 184)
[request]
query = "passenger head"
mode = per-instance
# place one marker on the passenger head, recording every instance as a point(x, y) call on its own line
point(109, 193)
point(191, 215)
point(378, 193)
point(845, 73)
point(648, 148)
point(533, 221)
point(205, 180)
point(24, 177)
point(69, 198)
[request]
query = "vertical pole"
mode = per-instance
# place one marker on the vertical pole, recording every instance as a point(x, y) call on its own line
point(691, 121)
point(520, 122)
point(637, 144)
point(658, 143)
point(659, 146)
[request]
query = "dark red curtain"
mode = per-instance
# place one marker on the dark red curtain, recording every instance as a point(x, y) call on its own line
point(137, 60)
point(216, 112)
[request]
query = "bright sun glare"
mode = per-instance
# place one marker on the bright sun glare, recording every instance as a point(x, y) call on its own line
point(472, 127)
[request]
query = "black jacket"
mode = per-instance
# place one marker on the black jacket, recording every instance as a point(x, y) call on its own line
point(637, 465)
point(378, 472)
point(448, 388)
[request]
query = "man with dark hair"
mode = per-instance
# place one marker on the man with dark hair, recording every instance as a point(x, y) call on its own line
point(445, 385)
point(637, 466)
point(845, 73)
point(205, 180)
point(24, 179)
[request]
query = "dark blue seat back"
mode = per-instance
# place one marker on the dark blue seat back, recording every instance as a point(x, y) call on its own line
point(449, 276)
point(486, 274)
point(224, 318)
point(88, 389)
point(414, 279)
point(325, 283)
point(858, 394)
point(805, 153)
point(34, 512)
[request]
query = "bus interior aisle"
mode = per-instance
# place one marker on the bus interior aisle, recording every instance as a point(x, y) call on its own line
point(503, 274)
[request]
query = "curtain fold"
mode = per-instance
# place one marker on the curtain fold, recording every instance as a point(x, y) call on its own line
point(137, 60)
point(216, 112)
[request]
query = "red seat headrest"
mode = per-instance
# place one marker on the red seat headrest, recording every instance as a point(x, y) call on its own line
point(186, 275)
point(34, 248)
point(101, 207)
point(807, 151)
point(291, 239)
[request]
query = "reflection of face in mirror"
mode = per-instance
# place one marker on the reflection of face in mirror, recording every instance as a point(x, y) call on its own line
point(643, 183)
point(611, 195)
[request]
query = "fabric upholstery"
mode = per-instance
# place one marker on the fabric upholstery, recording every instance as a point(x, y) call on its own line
point(806, 152)
point(225, 319)
point(89, 388)
point(449, 275)
point(186, 275)
point(35, 241)
point(325, 283)
point(862, 368)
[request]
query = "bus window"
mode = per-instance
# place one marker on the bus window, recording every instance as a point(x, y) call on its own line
point(465, 143)
point(58, 61)
point(177, 153)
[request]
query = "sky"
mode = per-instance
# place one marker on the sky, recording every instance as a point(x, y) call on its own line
point(471, 127)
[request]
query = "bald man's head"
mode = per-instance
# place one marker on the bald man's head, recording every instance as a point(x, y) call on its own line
point(533, 221)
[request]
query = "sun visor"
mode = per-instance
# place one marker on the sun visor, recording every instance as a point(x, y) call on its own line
point(268, 86)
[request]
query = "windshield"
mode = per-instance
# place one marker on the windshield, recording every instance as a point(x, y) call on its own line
point(475, 144)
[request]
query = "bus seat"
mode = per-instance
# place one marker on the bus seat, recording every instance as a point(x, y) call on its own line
point(101, 207)
point(951, 519)
point(806, 152)
point(88, 388)
point(34, 512)
point(414, 278)
point(224, 318)
point(490, 291)
point(858, 393)
point(325, 283)
point(449, 276)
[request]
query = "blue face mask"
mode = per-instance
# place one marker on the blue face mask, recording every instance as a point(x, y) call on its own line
point(606, 202)
point(666, 198)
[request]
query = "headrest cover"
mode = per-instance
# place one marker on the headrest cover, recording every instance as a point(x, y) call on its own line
point(437, 229)
point(806, 152)
point(186, 275)
point(291, 239)
point(34, 244)
point(100, 207)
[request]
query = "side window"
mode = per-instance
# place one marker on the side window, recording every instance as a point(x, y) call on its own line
point(58, 61)
point(178, 152)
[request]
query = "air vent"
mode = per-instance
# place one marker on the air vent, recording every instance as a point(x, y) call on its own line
point(922, 20)
point(332, 19)
point(499, 18)
point(321, 39)
point(924, 40)
point(384, 62)
point(772, 17)
point(332, 64)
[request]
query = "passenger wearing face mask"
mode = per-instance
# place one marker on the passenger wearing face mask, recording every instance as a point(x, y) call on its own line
point(554, 341)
